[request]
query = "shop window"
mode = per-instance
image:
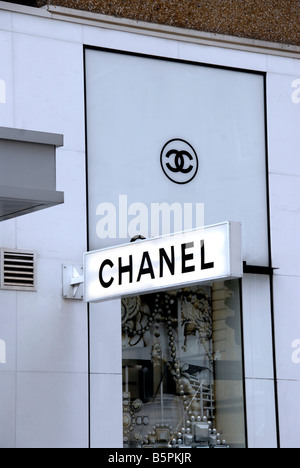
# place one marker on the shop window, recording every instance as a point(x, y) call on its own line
point(182, 368)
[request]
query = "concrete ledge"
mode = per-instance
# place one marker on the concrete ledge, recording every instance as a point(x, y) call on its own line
point(16, 134)
point(15, 201)
point(28, 172)
point(156, 30)
point(169, 32)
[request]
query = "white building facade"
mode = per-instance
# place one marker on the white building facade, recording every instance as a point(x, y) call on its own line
point(120, 91)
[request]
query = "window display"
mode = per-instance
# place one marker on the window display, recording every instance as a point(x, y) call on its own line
point(182, 368)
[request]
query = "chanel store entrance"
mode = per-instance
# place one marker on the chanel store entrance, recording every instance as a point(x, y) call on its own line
point(182, 353)
point(173, 146)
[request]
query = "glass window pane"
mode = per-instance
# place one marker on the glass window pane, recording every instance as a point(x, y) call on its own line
point(182, 368)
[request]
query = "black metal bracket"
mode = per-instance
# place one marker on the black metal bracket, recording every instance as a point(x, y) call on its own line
point(258, 270)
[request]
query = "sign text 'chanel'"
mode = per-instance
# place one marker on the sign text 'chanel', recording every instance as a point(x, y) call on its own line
point(187, 258)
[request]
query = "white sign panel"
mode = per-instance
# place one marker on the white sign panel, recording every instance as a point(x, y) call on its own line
point(203, 255)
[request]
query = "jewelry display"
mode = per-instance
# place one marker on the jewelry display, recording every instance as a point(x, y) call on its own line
point(168, 363)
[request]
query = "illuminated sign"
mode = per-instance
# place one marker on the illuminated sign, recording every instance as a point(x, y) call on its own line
point(203, 255)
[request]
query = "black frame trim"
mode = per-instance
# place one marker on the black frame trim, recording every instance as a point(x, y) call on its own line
point(174, 60)
point(87, 242)
point(276, 397)
point(258, 270)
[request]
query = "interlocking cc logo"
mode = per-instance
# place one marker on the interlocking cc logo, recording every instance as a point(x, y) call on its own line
point(179, 161)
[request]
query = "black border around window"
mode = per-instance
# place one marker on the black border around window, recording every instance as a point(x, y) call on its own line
point(256, 269)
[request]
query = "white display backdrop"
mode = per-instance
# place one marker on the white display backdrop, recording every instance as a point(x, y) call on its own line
point(135, 106)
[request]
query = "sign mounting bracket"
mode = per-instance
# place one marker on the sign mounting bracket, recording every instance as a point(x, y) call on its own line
point(73, 280)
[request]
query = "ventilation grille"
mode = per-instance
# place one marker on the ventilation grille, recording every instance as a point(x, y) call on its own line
point(18, 270)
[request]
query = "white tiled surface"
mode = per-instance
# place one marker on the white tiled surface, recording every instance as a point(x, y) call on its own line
point(107, 413)
point(42, 65)
point(46, 336)
point(105, 338)
point(287, 325)
point(52, 332)
point(8, 237)
point(8, 321)
point(285, 235)
point(275, 65)
point(284, 141)
point(260, 413)
point(285, 193)
point(283, 123)
point(129, 42)
point(285, 222)
point(6, 74)
point(41, 231)
point(224, 57)
point(48, 87)
point(257, 327)
point(52, 410)
point(46, 28)
point(5, 20)
point(289, 411)
point(7, 409)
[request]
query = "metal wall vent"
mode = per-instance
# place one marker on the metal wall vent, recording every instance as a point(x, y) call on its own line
point(18, 270)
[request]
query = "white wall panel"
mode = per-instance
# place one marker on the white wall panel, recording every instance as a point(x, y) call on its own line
point(275, 65)
point(261, 419)
point(52, 332)
point(8, 237)
point(7, 410)
point(52, 410)
point(285, 222)
point(289, 410)
point(287, 325)
point(8, 322)
point(60, 232)
point(6, 80)
point(46, 28)
point(285, 235)
point(49, 87)
point(6, 20)
point(129, 42)
point(106, 338)
point(107, 411)
point(224, 57)
point(46, 93)
point(283, 123)
point(257, 327)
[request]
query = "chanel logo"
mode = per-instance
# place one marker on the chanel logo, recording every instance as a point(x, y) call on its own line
point(179, 161)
